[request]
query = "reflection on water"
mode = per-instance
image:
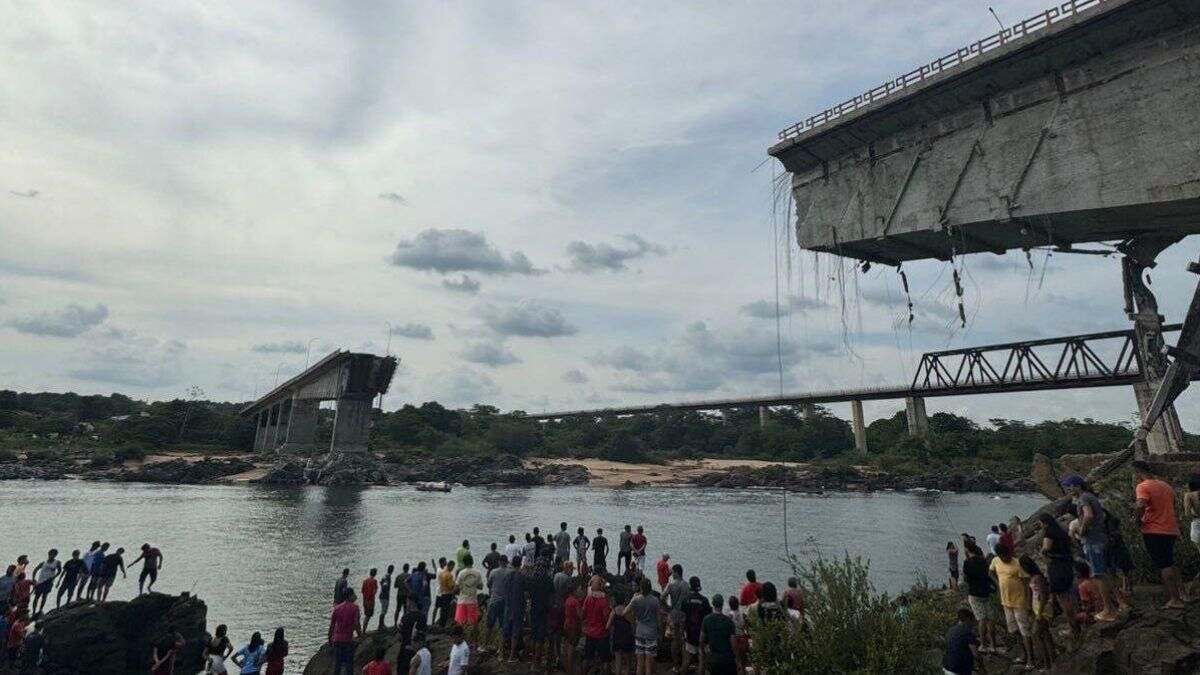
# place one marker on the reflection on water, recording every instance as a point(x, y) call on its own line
point(265, 556)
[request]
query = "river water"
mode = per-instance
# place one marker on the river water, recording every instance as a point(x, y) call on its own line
point(263, 557)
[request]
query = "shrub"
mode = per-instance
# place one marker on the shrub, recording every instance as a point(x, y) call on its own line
point(130, 452)
point(42, 455)
point(7, 455)
point(852, 628)
point(102, 459)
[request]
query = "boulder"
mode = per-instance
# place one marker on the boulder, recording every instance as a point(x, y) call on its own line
point(116, 638)
point(346, 468)
point(19, 471)
point(183, 472)
point(285, 472)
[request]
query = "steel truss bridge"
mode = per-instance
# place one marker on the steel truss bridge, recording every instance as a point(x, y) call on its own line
point(1107, 359)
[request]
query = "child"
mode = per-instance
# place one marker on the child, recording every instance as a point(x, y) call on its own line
point(1089, 594)
point(952, 554)
point(1043, 613)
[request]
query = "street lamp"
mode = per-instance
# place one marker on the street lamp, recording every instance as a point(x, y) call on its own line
point(306, 350)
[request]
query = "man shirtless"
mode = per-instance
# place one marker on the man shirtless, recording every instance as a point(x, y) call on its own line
point(151, 559)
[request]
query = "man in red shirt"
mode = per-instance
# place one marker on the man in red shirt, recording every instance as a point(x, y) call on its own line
point(749, 594)
point(638, 543)
point(664, 571)
point(1155, 512)
point(596, 610)
point(16, 634)
point(572, 608)
point(370, 588)
point(343, 626)
point(378, 665)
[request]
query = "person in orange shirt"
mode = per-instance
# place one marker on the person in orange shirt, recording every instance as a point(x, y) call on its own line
point(1155, 512)
point(664, 571)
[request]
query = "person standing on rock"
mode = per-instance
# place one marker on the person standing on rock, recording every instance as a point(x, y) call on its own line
point(1155, 510)
point(69, 581)
point(1013, 583)
point(462, 552)
point(162, 659)
point(638, 542)
point(663, 569)
point(515, 594)
point(749, 593)
point(581, 544)
point(422, 662)
point(993, 538)
point(600, 551)
point(370, 587)
point(952, 556)
point(962, 647)
point(675, 593)
point(1093, 542)
point(624, 549)
point(88, 570)
point(385, 594)
point(562, 544)
point(468, 582)
point(497, 584)
point(512, 549)
point(443, 609)
point(112, 563)
point(596, 610)
point(44, 575)
point(460, 653)
point(401, 584)
point(152, 560)
point(491, 561)
point(249, 659)
point(216, 650)
point(979, 595)
point(644, 611)
point(96, 569)
point(342, 586)
point(343, 627)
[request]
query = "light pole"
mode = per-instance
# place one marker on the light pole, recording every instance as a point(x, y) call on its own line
point(306, 350)
point(387, 351)
point(276, 384)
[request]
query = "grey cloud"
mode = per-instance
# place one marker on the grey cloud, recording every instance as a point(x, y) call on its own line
point(285, 347)
point(464, 284)
point(464, 387)
point(27, 194)
point(588, 258)
point(415, 331)
point(393, 197)
point(625, 358)
point(765, 309)
point(575, 376)
point(452, 250)
point(70, 321)
point(134, 362)
point(527, 320)
point(489, 354)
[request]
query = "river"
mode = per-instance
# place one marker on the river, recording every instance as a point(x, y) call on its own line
point(263, 557)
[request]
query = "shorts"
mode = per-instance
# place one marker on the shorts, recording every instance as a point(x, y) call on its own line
point(1018, 619)
point(595, 649)
point(1060, 575)
point(44, 587)
point(627, 647)
point(983, 608)
point(216, 665)
point(1096, 556)
point(148, 572)
point(954, 573)
point(466, 614)
point(1161, 549)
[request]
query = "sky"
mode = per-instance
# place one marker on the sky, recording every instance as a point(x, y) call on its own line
point(534, 205)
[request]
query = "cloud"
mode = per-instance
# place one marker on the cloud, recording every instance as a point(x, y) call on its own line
point(463, 387)
point(575, 376)
point(415, 331)
point(133, 361)
point(624, 358)
point(285, 347)
point(464, 284)
point(393, 197)
point(527, 320)
point(489, 354)
point(453, 250)
point(27, 194)
point(765, 309)
point(589, 258)
point(70, 321)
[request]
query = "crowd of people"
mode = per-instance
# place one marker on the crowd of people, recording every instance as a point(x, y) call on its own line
point(1076, 575)
point(554, 602)
point(89, 577)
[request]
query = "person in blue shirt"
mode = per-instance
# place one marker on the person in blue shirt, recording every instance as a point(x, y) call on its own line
point(250, 658)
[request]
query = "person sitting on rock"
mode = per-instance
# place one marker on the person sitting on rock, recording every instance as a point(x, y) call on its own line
point(378, 665)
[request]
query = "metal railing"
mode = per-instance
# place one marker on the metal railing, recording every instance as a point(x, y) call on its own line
point(948, 62)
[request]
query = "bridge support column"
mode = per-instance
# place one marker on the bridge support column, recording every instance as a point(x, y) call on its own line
point(350, 424)
point(302, 427)
point(918, 421)
point(260, 430)
point(859, 426)
point(273, 423)
point(762, 416)
point(1166, 435)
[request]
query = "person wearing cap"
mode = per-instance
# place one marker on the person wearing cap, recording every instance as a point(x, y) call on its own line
point(1155, 510)
point(1093, 539)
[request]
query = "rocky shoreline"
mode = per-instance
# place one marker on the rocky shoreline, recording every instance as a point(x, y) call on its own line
point(512, 471)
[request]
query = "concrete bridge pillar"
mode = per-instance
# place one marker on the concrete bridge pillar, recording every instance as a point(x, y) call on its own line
point(260, 430)
point(859, 426)
point(918, 421)
point(273, 424)
point(1166, 436)
point(762, 416)
point(350, 425)
point(302, 427)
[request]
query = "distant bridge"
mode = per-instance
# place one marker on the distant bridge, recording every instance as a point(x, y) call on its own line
point(1107, 359)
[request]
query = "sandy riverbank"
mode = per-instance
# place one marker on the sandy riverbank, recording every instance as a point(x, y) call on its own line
point(615, 474)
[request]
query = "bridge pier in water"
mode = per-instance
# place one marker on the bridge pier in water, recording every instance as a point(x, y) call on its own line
point(859, 426)
point(918, 421)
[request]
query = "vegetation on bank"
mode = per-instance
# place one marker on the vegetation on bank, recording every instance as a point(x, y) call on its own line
point(115, 427)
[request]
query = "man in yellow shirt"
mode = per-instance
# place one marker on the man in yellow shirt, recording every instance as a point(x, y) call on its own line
point(1013, 583)
point(443, 609)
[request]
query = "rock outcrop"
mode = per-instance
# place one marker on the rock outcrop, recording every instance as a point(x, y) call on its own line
point(116, 638)
point(504, 470)
point(183, 472)
point(821, 479)
point(21, 471)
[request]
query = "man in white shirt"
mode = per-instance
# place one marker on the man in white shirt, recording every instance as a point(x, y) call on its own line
point(44, 575)
point(512, 550)
point(460, 653)
point(993, 538)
